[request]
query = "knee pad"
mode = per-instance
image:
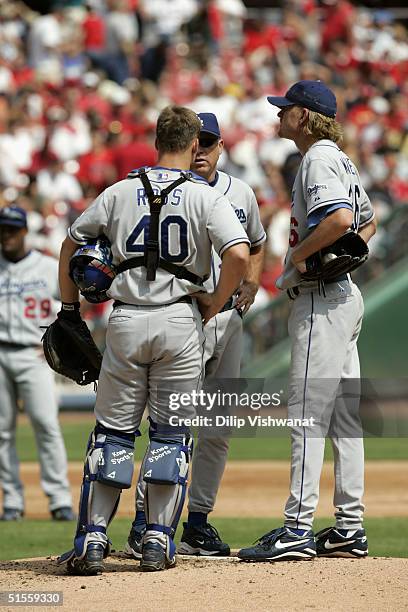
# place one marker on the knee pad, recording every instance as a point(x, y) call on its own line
point(167, 463)
point(109, 461)
point(167, 459)
point(116, 461)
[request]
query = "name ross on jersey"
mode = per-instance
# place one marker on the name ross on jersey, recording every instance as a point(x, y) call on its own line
point(173, 199)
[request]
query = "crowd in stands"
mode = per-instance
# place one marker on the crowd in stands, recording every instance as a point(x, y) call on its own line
point(81, 88)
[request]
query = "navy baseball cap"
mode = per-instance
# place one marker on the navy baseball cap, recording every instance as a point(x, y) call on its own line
point(209, 124)
point(13, 215)
point(314, 95)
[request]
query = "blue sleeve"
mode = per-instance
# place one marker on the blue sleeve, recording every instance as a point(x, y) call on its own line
point(321, 213)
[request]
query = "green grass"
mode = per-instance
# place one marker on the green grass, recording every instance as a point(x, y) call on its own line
point(263, 448)
point(279, 448)
point(28, 538)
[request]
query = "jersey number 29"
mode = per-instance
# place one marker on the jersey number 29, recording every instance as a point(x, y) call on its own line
point(173, 238)
point(37, 308)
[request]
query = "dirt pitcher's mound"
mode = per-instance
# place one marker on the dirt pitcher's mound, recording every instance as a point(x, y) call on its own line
point(221, 585)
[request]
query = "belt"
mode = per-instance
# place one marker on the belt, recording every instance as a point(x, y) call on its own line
point(185, 298)
point(15, 346)
point(293, 292)
point(228, 305)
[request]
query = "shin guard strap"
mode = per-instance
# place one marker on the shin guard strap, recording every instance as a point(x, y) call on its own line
point(162, 528)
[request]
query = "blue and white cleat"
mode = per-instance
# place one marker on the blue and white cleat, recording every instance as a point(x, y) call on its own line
point(202, 540)
point(281, 545)
point(91, 564)
point(347, 543)
point(158, 552)
point(154, 558)
point(133, 546)
point(12, 514)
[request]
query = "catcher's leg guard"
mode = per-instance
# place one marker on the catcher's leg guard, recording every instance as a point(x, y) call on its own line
point(108, 469)
point(166, 470)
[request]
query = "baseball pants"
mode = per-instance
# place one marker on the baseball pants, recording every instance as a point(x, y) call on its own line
point(324, 331)
point(222, 358)
point(25, 375)
point(150, 351)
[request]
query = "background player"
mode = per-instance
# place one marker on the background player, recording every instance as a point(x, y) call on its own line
point(327, 200)
point(28, 288)
point(222, 354)
point(154, 337)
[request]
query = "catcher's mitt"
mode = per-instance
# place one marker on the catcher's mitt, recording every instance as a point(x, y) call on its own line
point(341, 257)
point(70, 350)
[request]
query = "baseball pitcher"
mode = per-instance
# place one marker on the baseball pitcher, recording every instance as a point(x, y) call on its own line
point(328, 200)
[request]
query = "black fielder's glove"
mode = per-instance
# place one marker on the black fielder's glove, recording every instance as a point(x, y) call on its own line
point(69, 347)
point(343, 256)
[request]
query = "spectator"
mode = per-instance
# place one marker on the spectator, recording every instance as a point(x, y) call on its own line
point(44, 41)
point(121, 37)
point(54, 183)
point(96, 168)
point(94, 34)
point(129, 153)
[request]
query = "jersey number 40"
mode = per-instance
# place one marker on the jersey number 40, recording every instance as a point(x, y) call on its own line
point(173, 238)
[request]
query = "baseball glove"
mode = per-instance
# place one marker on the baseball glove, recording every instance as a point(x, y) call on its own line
point(70, 350)
point(341, 257)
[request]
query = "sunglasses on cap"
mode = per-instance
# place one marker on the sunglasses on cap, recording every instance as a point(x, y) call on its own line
point(207, 141)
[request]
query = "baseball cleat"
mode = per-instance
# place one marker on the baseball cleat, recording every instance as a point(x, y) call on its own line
point(133, 547)
point(11, 514)
point(154, 558)
point(91, 564)
point(202, 540)
point(331, 543)
point(63, 514)
point(281, 545)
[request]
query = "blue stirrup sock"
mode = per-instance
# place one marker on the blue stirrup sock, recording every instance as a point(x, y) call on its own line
point(140, 519)
point(197, 519)
point(299, 532)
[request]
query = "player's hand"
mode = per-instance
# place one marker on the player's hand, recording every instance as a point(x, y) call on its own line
point(246, 296)
point(300, 264)
point(208, 305)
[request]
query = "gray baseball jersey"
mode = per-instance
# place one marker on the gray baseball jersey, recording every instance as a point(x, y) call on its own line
point(28, 289)
point(243, 201)
point(194, 217)
point(326, 179)
point(28, 294)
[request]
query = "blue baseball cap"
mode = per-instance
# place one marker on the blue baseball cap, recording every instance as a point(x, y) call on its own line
point(13, 215)
point(314, 95)
point(209, 124)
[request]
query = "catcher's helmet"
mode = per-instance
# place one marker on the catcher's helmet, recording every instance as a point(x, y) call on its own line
point(92, 270)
